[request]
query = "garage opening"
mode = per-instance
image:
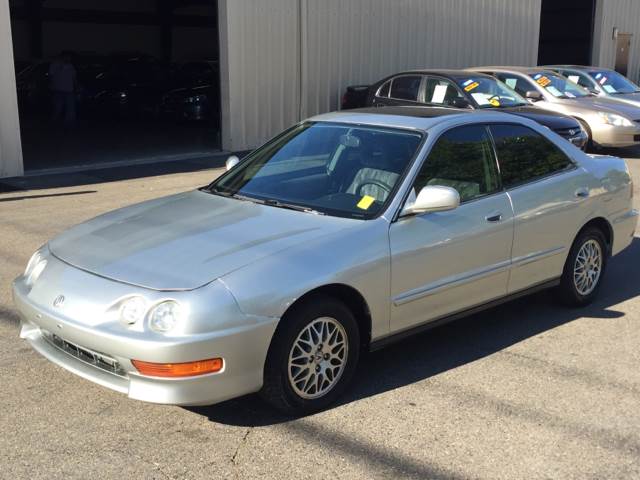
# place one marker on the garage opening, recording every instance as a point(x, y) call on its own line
point(103, 81)
point(566, 32)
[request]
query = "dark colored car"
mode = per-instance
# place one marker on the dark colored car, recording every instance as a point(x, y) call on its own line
point(129, 86)
point(460, 89)
point(195, 93)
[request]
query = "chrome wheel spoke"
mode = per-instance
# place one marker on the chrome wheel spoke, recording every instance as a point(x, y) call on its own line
point(317, 358)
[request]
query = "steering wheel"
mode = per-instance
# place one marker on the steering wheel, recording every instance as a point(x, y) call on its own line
point(377, 183)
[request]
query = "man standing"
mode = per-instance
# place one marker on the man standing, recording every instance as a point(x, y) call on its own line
point(62, 77)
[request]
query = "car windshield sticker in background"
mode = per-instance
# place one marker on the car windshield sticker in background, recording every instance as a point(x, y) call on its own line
point(554, 91)
point(439, 93)
point(574, 78)
point(365, 202)
point(542, 80)
point(609, 89)
point(480, 98)
point(511, 82)
point(470, 85)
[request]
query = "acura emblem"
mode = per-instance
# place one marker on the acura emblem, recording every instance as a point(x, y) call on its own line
point(59, 301)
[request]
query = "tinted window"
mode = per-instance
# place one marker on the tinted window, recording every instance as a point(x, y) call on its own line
point(406, 87)
point(519, 84)
point(384, 89)
point(579, 78)
point(462, 158)
point(525, 155)
point(440, 91)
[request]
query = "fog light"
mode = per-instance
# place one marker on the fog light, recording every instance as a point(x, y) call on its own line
point(188, 369)
point(165, 316)
point(133, 310)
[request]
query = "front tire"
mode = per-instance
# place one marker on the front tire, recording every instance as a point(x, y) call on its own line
point(312, 357)
point(584, 268)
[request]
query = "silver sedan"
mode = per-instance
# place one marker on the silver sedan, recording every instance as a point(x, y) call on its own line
point(342, 234)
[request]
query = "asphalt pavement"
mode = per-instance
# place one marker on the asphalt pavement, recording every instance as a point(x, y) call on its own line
point(527, 390)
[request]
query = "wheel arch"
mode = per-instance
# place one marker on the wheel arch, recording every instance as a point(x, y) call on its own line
point(352, 299)
point(604, 226)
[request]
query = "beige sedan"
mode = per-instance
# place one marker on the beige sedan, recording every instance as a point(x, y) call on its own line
point(609, 122)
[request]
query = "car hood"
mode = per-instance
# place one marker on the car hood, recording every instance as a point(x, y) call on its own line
point(187, 240)
point(555, 121)
point(607, 104)
point(631, 98)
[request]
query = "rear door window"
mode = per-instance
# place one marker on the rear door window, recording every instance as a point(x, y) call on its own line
point(524, 155)
point(406, 87)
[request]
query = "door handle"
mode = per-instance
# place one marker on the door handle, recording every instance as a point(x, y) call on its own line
point(582, 193)
point(493, 217)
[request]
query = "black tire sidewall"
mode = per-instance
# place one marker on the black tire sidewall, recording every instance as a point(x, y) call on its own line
point(276, 368)
point(569, 293)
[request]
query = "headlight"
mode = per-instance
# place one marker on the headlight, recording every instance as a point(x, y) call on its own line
point(35, 267)
point(165, 316)
point(615, 120)
point(133, 310)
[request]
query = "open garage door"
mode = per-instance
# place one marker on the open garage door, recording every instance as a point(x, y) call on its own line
point(103, 81)
point(566, 32)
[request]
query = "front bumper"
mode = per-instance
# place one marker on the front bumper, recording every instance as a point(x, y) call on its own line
point(616, 137)
point(103, 355)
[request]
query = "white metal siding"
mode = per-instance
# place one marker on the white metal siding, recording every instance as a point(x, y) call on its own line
point(268, 83)
point(10, 146)
point(361, 41)
point(625, 16)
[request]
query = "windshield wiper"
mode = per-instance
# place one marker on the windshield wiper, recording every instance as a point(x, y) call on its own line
point(277, 203)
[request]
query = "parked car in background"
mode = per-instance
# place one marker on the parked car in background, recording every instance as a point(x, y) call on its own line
point(608, 122)
point(276, 276)
point(604, 82)
point(130, 85)
point(463, 89)
point(195, 93)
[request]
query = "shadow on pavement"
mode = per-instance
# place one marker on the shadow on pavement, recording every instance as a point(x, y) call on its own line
point(456, 344)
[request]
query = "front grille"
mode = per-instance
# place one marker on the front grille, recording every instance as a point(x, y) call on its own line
point(98, 360)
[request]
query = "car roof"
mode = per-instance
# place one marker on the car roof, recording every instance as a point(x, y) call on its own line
point(512, 69)
point(443, 72)
point(419, 118)
point(576, 67)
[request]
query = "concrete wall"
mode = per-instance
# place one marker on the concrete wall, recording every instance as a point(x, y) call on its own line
point(10, 145)
point(289, 59)
point(625, 16)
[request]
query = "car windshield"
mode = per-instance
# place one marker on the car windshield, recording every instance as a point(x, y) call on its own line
point(490, 92)
point(324, 168)
point(613, 82)
point(558, 86)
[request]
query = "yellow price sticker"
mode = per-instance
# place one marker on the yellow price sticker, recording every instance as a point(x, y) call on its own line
point(495, 102)
point(365, 202)
point(468, 88)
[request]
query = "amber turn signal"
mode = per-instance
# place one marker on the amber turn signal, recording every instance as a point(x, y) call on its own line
point(188, 369)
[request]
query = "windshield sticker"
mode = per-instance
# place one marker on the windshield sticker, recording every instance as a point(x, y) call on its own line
point(471, 86)
point(365, 202)
point(603, 80)
point(574, 78)
point(554, 91)
point(609, 89)
point(569, 94)
point(598, 75)
point(543, 81)
point(511, 82)
point(439, 94)
point(480, 98)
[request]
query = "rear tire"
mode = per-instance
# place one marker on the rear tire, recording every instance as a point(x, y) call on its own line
point(584, 269)
point(312, 357)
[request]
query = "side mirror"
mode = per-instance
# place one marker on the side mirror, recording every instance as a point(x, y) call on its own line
point(460, 102)
point(432, 198)
point(533, 95)
point(231, 162)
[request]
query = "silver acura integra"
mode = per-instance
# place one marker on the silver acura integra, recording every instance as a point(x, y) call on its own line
point(344, 233)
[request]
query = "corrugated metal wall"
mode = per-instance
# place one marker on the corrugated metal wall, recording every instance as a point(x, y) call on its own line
point(10, 146)
point(625, 16)
point(360, 41)
point(270, 83)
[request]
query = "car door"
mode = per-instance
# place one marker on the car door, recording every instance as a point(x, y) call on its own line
point(445, 262)
point(547, 191)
